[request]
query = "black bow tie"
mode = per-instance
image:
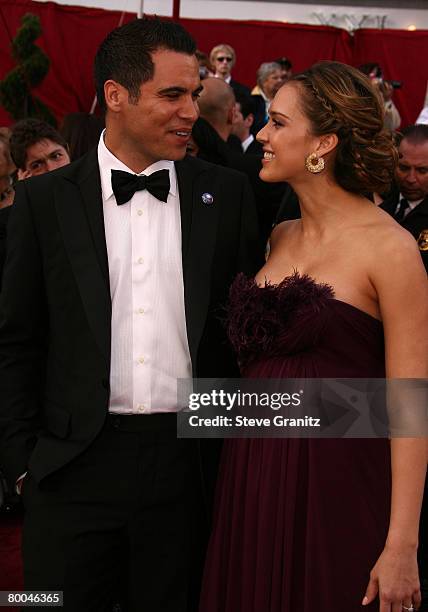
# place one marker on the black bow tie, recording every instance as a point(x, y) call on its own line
point(125, 184)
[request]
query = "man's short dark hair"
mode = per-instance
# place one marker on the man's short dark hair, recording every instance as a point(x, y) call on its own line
point(247, 104)
point(415, 134)
point(26, 133)
point(125, 55)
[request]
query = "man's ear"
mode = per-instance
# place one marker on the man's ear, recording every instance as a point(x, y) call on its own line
point(231, 114)
point(249, 120)
point(327, 144)
point(115, 95)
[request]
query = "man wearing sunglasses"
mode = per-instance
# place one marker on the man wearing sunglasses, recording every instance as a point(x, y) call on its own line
point(223, 59)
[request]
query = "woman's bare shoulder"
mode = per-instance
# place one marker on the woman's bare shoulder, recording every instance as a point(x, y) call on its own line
point(386, 237)
point(283, 229)
point(387, 249)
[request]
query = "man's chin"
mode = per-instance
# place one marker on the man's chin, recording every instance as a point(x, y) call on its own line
point(176, 154)
point(413, 196)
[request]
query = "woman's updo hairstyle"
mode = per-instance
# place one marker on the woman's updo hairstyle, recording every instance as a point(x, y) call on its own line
point(340, 99)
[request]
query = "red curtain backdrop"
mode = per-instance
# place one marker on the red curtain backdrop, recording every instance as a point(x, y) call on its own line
point(260, 41)
point(71, 36)
point(402, 56)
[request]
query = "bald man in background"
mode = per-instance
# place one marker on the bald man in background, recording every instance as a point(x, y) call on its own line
point(217, 105)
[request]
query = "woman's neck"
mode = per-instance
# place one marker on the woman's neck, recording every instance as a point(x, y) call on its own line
point(325, 206)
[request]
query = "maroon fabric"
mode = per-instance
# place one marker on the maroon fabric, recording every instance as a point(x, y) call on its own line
point(299, 523)
point(71, 36)
point(10, 556)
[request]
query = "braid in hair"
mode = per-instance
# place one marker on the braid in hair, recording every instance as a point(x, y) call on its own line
point(322, 100)
point(338, 99)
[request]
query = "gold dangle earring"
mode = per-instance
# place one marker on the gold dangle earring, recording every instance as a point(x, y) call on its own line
point(314, 163)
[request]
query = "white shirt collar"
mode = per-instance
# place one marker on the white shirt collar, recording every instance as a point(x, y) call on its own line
point(411, 205)
point(108, 162)
point(246, 143)
point(264, 96)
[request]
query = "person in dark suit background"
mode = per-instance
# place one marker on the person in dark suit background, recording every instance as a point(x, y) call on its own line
point(113, 289)
point(408, 204)
point(408, 200)
point(218, 108)
point(223, 59)
point(33, 147)
point(244, 119)
point(6, 200)
point(269, 81)
point(36, 147)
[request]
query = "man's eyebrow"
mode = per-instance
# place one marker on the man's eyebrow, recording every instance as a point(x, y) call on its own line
point(177, 89)
point(59, 150)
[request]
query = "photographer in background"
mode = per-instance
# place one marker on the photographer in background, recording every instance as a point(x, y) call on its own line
point(386, 88)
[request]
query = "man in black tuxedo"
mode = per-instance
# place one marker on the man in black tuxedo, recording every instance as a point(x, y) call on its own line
point(36, 147)
point(243, 121)
point(408, 200)
point(6, 201)
point(408, 204)
point(117, 268)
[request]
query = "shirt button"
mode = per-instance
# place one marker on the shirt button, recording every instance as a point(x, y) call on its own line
point(141, 407)
point(141, 310)
point(141, 360)
point(141, 260)
point(139, 213)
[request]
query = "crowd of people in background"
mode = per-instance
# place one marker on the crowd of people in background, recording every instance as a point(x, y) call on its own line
point(235, 113)
point(231, 115)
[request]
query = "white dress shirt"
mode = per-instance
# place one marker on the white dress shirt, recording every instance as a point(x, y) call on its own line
point(149, 347)
point(410, 205)
point(246, 143)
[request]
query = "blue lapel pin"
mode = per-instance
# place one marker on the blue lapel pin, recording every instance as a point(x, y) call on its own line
point(207, 199)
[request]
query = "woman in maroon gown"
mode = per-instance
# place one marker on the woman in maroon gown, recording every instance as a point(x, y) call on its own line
point(325, 525)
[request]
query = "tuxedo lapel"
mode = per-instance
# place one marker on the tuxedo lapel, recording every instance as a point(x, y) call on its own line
point(199, 221)
point(185, 180)
point(389, 205)
point(79, 208)
point(419, 210)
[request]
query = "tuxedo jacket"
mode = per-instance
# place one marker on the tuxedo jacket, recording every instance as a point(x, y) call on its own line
point(255, 148)
point(260, 116)
point(55, 307)
point(416, 221)
point(4, 217)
